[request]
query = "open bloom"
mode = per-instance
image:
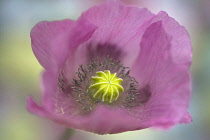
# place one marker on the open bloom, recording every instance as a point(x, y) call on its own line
point(115, 69)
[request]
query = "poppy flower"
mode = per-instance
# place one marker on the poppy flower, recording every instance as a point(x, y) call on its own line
point(116, 69)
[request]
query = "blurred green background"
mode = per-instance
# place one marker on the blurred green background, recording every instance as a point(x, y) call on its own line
point(20, 71)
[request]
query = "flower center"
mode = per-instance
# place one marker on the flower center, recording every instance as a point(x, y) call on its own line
point(102, 81)
point(105, 86)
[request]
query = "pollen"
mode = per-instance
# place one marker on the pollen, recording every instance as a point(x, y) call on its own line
point(105, 86)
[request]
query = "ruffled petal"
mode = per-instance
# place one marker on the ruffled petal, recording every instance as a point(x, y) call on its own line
point(49, 85)
point(167, 78)
point(52, 41)
point(49, 88)
point(96, 122)
point(118, 34)
point(186, 118)
point(34, 108)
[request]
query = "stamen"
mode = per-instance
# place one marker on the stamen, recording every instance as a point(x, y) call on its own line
point(104, 81)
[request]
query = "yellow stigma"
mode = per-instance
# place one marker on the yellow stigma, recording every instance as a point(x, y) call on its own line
point(105, 86)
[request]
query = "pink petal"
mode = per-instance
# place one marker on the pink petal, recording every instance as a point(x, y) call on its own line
point(181, 49)
point(186, 118)
point(35, 109)
point(118, 33)
point(167, 77)
point(52, 98)
point(52, 41)
point(49, 88)
point(97, 123)
point(67, 112)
